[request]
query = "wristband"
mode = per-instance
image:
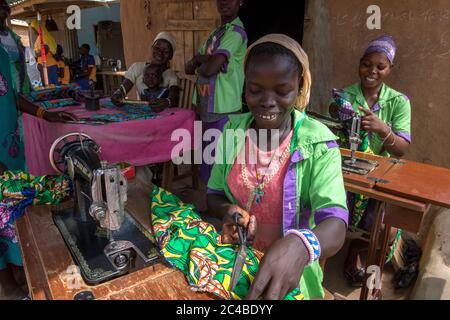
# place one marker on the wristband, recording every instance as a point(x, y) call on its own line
point(311, 243)
point(387, 137)
point(123, 90)
point(393, 142)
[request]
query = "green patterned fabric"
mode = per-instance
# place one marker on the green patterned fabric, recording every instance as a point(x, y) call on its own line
point(195, 248)
point(19, 190)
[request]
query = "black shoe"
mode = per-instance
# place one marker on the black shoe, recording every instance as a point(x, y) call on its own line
point(355, 278)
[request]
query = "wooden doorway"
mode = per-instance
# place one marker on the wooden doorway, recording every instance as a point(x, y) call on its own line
point(190, 22)
point(261, 17)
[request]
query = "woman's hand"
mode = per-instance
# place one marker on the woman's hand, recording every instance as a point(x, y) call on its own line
point(371, 123)
point(159, 105)
point(59, 116)
point(280, 270)
point(229, 230)
point(117, 99)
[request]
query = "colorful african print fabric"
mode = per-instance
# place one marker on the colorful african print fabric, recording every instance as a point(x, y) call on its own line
point(196, 249)
point(58, 92)
point(19, 190)
point(58, 103)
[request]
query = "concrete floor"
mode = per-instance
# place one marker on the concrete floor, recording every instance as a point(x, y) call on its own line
point(334, 280)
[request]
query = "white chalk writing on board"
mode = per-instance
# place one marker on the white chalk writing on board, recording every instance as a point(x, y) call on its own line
point(359, 19)
point(408, 46)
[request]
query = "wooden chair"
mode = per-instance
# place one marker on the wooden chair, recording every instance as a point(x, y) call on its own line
point(171, 172)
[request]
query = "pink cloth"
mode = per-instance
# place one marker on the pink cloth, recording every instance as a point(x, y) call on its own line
point(269, 213)
point(138, 142)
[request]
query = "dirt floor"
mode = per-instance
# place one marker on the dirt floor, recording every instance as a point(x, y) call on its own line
point(334, 281)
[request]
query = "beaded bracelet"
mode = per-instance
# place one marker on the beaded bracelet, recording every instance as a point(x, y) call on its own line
point(311, 242)
point(40, 113)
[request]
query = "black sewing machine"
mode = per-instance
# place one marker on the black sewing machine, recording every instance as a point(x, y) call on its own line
point(104, 239)
point(350, 128)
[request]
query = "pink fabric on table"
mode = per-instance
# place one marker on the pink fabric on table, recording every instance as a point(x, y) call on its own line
point(137, 142)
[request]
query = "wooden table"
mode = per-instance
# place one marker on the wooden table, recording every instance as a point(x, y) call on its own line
point(111, 80)
point(406, 189)
point(47, 259)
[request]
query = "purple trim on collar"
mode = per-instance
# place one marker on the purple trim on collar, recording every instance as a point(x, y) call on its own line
point(333, 212)
point(216, 192)
point(405, 97)
point(290, 198)
point(296, 157)
point(241, 31)
point(332, 144)
point(404, 135)
point(212, 93)
point(376, 107)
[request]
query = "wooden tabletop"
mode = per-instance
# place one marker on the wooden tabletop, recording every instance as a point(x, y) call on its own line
point(403, 178)
point(47, 259)
point(368, 181)
point(418, 181)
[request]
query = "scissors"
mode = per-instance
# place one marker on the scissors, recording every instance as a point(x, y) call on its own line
point(242, 253)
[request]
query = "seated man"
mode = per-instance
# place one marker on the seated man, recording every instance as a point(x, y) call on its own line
point(88, 70)
point(63, 68)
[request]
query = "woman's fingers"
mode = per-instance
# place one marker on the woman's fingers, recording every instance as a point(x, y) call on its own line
point(259, 285)
point(251, 230)
point(273, 291)
point(69, 116)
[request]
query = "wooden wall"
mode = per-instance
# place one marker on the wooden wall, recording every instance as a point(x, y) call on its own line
point(189, 21)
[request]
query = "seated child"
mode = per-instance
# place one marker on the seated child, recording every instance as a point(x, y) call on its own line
point(153, 80)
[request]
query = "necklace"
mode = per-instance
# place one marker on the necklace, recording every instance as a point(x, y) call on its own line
point(256, 192)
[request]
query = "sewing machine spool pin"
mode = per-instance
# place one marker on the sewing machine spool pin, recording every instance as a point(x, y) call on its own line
point(352, 164)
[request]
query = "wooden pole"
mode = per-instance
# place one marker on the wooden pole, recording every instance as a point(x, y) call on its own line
point(43, 54)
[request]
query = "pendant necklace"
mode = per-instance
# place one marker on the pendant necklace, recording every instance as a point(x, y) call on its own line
point(257, 193)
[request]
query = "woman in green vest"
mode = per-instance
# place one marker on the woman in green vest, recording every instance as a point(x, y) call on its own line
point(386, 131)
point(280, 171)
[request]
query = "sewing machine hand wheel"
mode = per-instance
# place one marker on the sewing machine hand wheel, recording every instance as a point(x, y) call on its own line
point(56, 156)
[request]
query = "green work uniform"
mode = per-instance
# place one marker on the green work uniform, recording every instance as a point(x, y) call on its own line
point(313, 188)
point(221, 93)
point(393, 108)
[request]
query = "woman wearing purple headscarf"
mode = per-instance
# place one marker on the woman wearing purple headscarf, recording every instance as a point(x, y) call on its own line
point(386, 125)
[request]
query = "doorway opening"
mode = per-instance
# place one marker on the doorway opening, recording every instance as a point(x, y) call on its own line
point(261, 17)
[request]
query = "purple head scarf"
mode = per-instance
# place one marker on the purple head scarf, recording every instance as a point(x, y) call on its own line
point(384, 44)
